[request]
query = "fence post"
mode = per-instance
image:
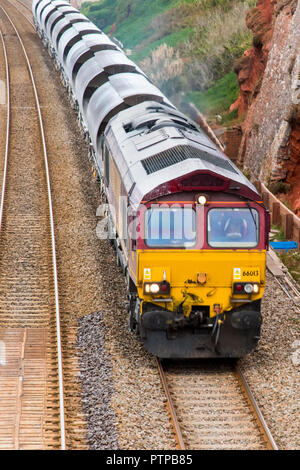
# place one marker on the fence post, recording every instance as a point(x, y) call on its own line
point(266, 199)
point(297, 237)
point(276, 219)
point(289, 226)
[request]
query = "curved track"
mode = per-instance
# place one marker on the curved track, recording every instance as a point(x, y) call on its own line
point(212, 408)
point(24, 8)
point(31, 378)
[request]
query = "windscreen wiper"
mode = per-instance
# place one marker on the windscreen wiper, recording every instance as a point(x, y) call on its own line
point(250, 209)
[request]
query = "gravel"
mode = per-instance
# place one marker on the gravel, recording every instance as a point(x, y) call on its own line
point(97, 385)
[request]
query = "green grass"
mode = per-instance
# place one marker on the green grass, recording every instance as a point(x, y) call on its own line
point(171, 40)
point(133, 26)
point(218, 98)
point(291, 259)
point(137, 28)
point(131, 29)
point(207, 35)
point(102, 13)
point(280, 235)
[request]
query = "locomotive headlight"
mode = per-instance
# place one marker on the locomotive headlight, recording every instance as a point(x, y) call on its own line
point(154, 288)
point(238, 288)
point(147, 288)
point(248, 288)
point(157, 288)
point(201, 200)
point(255, 288)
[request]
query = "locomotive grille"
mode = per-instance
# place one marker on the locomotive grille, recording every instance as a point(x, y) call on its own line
point(179, 154)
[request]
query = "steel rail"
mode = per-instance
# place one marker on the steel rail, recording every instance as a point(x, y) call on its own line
point(58, 331)
point(256, 410)
point(21, 3)
point(270, 442)
point(7, 128)
point(25, 6)
point(175, 422)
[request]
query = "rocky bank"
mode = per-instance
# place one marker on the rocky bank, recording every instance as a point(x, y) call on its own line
point(269, 78)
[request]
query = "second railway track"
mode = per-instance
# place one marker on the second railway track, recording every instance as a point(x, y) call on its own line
point(31, 389)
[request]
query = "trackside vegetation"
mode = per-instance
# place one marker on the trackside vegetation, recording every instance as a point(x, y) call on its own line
point(196, 41)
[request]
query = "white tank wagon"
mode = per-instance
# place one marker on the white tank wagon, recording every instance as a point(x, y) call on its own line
point(80, 50)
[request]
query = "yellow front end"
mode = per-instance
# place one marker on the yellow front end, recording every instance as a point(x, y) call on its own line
point(201, 278)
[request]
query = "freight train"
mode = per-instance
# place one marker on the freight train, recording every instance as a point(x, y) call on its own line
point(189, 229)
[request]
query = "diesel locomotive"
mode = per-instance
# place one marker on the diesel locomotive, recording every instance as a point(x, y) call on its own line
point(189, 229)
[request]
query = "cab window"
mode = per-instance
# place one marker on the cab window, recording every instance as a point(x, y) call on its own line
point(234, 227)
point(170, 227)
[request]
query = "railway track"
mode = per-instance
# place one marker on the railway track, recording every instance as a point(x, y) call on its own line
point(75, 424)
point(212, 407)
point(31, 375)
point(25, 9)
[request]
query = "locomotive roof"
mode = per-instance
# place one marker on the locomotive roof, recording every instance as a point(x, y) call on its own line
point(153, 145)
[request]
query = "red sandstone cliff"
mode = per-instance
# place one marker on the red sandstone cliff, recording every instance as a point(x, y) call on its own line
point(269, 78)
point(250, 67)
point(293, 164)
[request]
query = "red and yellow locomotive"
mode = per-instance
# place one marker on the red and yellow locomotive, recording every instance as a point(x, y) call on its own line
point(191, 235)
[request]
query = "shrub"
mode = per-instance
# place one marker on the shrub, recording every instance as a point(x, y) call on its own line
point(279, 187)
